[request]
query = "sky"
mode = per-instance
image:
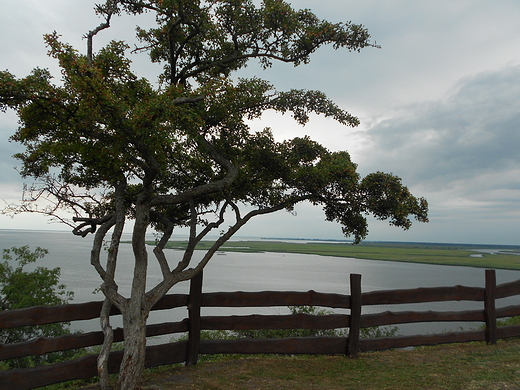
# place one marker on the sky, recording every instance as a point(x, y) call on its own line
point(439, 105)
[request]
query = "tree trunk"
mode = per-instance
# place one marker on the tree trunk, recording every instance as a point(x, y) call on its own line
point(135, 348)
point(134, 312)
point(102, 361)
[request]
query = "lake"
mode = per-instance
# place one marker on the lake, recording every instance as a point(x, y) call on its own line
point(258, 272)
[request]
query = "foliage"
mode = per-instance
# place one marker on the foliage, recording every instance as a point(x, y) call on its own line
point(372, 332)
point(20, 288)
point(107, 146)
point(281, 333)
point(510, 321)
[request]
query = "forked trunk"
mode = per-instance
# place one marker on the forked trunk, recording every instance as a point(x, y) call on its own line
point(134, 313)
point(135, 348)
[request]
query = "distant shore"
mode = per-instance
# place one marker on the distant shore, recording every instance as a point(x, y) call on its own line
point(481, 256)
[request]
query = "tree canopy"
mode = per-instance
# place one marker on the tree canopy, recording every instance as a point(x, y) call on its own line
point(108, 146)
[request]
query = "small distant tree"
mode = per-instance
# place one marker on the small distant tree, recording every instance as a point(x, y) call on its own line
point(109, 147)
point(20, 288)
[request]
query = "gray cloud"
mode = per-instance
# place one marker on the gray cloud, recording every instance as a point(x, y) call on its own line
point(438, 104)
point(461, 152)
point(475, 130)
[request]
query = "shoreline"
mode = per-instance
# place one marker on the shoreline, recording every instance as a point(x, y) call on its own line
point(504, 257)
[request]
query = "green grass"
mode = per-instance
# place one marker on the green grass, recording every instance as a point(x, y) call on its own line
point(441, 254)
point(447, 367)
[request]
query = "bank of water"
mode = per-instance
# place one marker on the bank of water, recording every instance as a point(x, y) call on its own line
point(231, 271)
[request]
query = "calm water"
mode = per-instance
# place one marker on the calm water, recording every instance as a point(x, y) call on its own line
point(259, 272)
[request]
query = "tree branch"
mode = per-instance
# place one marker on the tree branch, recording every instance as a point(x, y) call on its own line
point(159, 248)
point(102, 360)
point(108, 11)
point(232, 173)
point(192, 242)
point(184, 100)
point(97, 244)
point(216, 224)
point(181, 274)
point(93, 223)
point(113, 251)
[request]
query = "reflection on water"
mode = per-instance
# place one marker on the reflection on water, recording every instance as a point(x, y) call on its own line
point(261, 272)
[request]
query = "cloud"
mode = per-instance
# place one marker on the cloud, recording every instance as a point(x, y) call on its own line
point(461, 152)
point(438, 104)
point(475, 130)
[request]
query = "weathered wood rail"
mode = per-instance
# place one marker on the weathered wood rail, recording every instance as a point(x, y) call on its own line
point(188, 351)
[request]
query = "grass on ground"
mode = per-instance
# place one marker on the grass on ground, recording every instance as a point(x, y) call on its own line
point(469, 366)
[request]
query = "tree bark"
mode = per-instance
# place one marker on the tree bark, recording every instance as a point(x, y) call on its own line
point(132, 364)
point(135, 312)
point(102, 361)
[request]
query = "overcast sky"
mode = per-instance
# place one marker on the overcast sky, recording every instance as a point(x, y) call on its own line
point(439, 105)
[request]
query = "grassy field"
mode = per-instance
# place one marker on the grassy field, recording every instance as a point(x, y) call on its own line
point(468, 366)
point(443, 254)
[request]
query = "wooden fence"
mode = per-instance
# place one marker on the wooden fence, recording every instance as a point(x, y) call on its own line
point(188, 351)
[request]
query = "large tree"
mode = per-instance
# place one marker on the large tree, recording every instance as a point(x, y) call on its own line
point(109, 147)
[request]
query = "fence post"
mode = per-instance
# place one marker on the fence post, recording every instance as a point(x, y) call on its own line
point(194, 319)
point(355, 316)
point(489, 307)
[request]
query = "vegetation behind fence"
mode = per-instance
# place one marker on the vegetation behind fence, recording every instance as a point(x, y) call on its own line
point(188, 351)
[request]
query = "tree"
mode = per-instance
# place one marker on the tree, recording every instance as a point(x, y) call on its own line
point(20, 288)
point(110, 147)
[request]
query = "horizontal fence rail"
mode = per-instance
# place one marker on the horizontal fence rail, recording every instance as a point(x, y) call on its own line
point(423, 295)
point(188, 351)
point(275, 298)
point(41, 315)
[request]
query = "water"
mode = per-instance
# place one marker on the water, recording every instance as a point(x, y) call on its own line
point(259, 272)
